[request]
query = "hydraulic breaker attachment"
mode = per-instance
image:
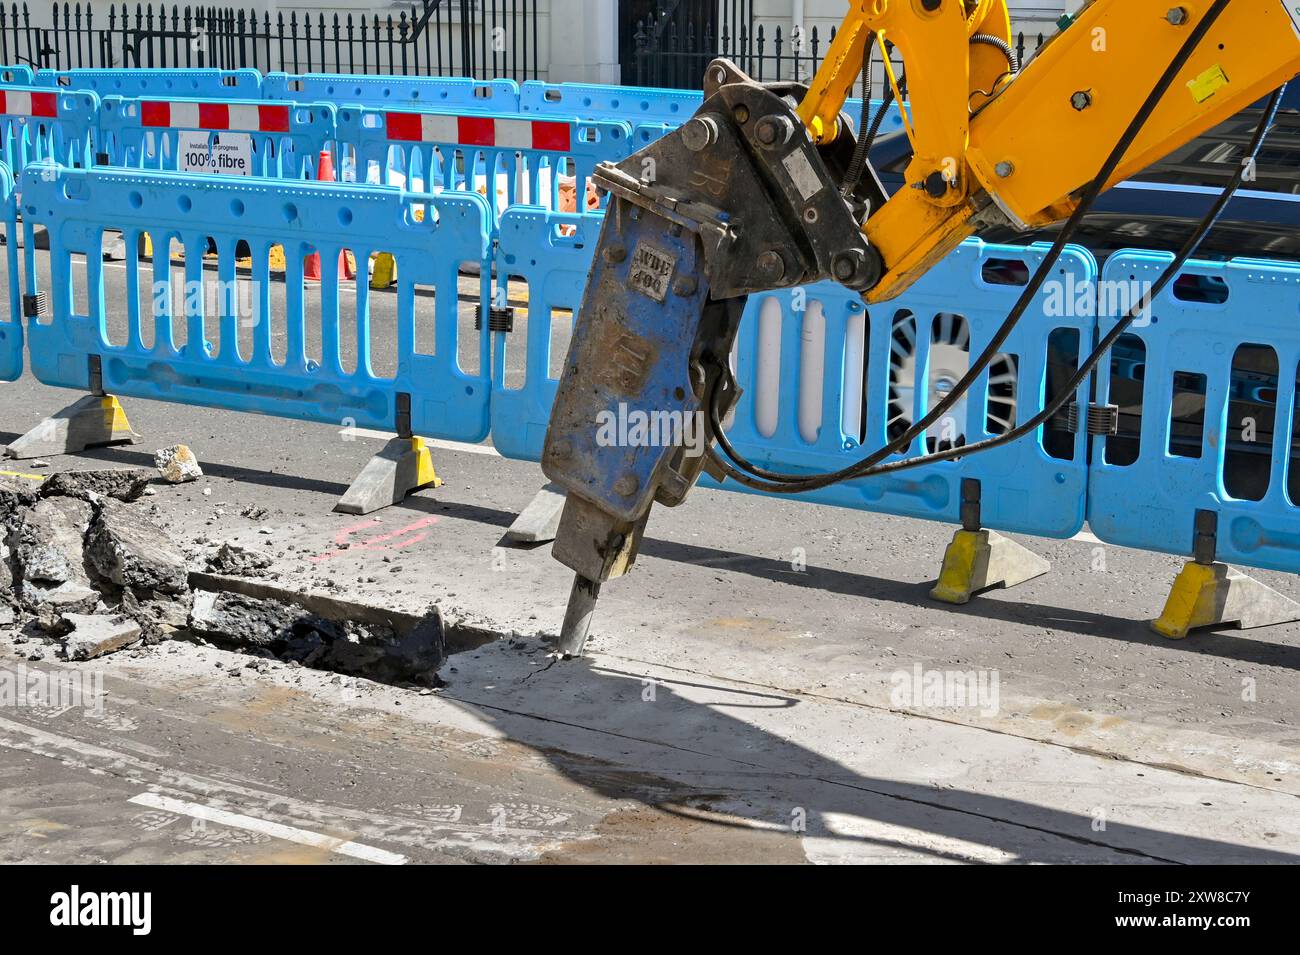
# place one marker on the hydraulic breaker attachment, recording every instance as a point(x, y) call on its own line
point(738, 200)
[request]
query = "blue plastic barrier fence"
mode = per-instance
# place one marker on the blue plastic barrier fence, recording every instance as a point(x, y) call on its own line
point(637, 104)
point(38, 123)
point(413, 92)
point(550, 253)
point(232, 335)
point(517, 159)
point(283, 140)
point(11, 319)
point(18, 75)
point(1205, 385)
point(633, 104)
point(825, 379)
point(223, 84)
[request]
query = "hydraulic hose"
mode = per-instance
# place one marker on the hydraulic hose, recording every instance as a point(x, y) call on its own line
point(786, 483)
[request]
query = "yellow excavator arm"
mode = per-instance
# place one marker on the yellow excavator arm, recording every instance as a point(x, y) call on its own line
point(988, 142)
point(764, 188)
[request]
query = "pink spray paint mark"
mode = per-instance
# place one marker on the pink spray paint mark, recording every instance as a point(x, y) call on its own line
point(397, 540)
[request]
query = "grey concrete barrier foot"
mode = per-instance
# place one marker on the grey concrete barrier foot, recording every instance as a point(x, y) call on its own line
point(540, 520)
point(92, 421)
point(1216, 595)
point(979, 560)
point(403, 467)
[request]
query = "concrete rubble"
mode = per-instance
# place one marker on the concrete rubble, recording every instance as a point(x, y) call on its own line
point(123, 484)
point(85, 572)
point(84, 569)
point(48, 561)
point(236, 561)
point(93, 635)
point(177, 464)
point(133, 553)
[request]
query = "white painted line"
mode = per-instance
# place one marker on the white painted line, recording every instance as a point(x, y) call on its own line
point(462, 446)
point(288, 833)
point(431, 442)
point(1087, 537)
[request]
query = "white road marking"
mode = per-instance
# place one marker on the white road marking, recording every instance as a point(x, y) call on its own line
point(512, 841)
point(236, 820)
point(857, 840)
point(431, 442)
point(1087, 537)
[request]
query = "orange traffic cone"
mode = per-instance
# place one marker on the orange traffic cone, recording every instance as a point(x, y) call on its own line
point(311, 264)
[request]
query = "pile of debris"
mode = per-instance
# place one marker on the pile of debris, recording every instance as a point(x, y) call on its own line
point(86, 571)
point(81, 566)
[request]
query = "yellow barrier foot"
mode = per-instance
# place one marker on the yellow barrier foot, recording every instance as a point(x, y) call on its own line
point(384, 271)
point(1216, 595)
point(980, 560)
point(540, 520)
point(92, 421)
point(403, 467)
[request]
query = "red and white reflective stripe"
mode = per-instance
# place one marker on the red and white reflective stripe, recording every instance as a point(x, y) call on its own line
point(221, 116)
point(21, 103)
point(478, 131)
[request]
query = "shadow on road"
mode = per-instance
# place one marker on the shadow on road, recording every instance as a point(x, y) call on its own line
point(698, 758)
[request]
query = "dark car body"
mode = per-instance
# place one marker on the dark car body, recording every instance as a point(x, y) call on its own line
point(1160, 206)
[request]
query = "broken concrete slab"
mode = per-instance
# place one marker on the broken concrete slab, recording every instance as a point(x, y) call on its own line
point(232, 619)
point(177, 464)
point(94, 635)
point(160, 616)
point(239, 562)
point(49, 561)
point(6, 571)
point(461, 635)
point(129, 550)
point(14, 496)
point(123, 484)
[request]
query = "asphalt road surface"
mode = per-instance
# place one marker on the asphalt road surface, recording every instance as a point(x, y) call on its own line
point(747, 696)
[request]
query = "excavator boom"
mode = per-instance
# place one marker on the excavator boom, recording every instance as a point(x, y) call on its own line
point(764, 188)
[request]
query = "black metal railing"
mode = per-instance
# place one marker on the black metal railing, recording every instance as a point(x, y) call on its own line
point(677, 56)
point(488, 39)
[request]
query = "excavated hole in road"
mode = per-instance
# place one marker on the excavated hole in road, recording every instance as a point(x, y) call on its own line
point(326, 632)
